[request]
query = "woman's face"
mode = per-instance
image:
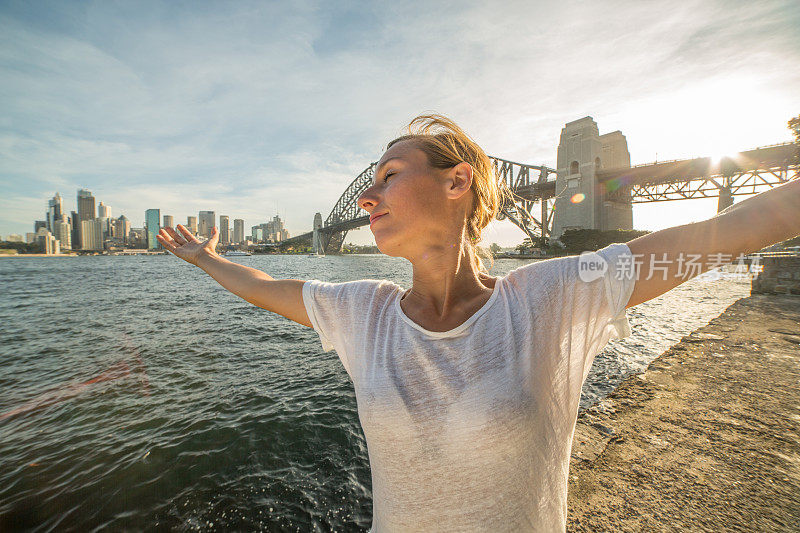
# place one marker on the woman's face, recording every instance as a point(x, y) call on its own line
point(414, 201)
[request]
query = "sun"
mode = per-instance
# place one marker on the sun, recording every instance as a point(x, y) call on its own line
point(719, 155)
point(716, 117)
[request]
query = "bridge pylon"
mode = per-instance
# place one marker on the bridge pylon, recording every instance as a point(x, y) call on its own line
point(581, 201)
point(725, 194)
point(316, 239)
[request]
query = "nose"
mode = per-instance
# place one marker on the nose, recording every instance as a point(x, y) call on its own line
point(368, 199)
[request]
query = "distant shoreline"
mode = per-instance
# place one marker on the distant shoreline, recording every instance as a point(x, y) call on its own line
point(499, 256)
point(39, 255)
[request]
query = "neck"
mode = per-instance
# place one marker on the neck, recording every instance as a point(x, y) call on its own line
point(443, 277)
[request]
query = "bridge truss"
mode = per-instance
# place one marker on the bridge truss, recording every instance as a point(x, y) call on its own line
point(738, 175)
point(740, 184)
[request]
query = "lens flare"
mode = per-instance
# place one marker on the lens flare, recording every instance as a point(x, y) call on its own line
point(613, 185)
point(577, 198)
point(68, 390)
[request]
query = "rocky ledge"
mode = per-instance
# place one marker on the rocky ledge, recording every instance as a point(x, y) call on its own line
point(707, 439)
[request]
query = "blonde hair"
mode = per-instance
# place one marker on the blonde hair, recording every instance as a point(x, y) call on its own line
point(446, 145)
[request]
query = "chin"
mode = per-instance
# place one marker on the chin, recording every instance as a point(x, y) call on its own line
point(383, 249)
point(386, 248)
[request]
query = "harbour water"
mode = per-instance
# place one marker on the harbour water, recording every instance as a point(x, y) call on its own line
point(136, 394)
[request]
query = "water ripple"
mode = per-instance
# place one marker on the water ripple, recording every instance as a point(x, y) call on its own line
point(148, 397)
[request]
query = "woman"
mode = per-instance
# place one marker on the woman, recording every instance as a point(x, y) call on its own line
point(467, 384)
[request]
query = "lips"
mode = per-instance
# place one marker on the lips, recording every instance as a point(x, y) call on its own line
point(375, 217)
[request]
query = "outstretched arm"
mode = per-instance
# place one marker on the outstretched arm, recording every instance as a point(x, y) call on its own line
point(281, 296)
point(748, 226)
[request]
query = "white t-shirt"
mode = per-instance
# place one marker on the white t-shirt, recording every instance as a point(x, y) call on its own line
point(471, 429)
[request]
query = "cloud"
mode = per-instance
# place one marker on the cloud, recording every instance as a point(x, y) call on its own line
point(239, 107)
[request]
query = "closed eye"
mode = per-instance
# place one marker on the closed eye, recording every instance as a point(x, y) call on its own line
point(386, 176)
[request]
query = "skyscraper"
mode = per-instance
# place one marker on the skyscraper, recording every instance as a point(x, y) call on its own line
point(191, 224)
point(238, 231)
point(63, 233)
point(86, 209)
point(122, 228)
point(91, 235)
point(152, 224)
point(76, 231)
point(224, 229)
point(54, 211)
point(104, 216)
point(168, 221)
point(207, 219)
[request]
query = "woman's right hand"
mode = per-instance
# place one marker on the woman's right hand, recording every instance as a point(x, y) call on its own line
point(187, 246)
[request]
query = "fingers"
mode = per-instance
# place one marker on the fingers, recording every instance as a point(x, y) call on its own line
point(213, 233)
point(187, 234)
point(179, 240)
point(171, 240)
point(169, 245)
point(214, 239)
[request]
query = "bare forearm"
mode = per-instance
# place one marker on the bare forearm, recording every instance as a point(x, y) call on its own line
point(673, 255)
point(241, 280)
point(766, 218)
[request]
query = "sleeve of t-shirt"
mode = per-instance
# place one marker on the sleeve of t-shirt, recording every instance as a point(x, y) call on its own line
point(602, 281)
point(576, 305)
point(336, 310)
point(595, 288)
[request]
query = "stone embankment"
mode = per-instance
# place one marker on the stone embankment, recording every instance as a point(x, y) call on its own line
point(779, 275)
point(707, 439)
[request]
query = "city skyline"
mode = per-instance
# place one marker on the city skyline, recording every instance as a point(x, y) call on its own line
point(237, 108)
point(177, 219)
point(92, 226)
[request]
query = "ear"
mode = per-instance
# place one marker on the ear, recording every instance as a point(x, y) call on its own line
point(459, 180)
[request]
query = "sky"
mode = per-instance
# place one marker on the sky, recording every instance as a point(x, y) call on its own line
point(253, 109)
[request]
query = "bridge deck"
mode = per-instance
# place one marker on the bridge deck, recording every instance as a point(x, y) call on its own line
point(768, 157)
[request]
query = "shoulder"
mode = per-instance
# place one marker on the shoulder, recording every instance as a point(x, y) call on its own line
point(611, 254)
point(362, 289)
point(537, 271)
point(569, 268)
point(354, 285)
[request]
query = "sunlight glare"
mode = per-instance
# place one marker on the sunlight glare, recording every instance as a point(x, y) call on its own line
point(716, 117)
point(718, 156)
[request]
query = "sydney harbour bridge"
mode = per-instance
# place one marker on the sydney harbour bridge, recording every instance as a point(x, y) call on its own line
point(593, 186)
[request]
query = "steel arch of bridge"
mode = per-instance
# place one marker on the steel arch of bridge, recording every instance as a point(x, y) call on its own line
point(525, 186)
